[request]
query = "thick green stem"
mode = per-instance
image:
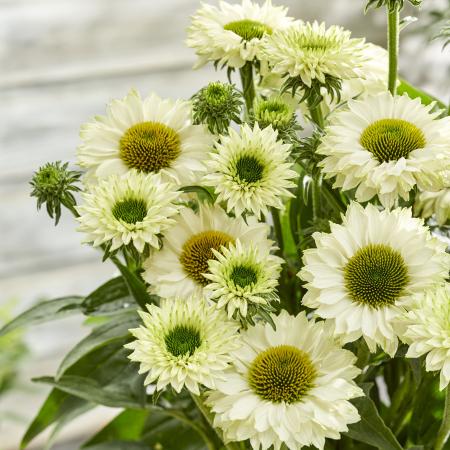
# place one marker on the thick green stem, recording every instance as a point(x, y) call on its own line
point(248, 86)
point(317, 115)
point(278, 230)
point(393, 38)
point(444, 430)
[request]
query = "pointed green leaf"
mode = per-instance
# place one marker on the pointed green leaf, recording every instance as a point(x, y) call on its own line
point(413, 92)
point(135, 285)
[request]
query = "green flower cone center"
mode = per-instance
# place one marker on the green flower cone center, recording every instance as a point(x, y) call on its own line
point(197, 252)
point(217, 94)
point(249, 169)
point(273, 112)
point(182, 340)
point(392, 139)
point(149, 146)
point(243, 276)
point(376, 275)
point(315, 43)
point(131, 210)
point(282, 374)
point(248, 29)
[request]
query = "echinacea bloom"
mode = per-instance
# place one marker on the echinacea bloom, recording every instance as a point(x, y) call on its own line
point(288, 386)
point(151, 135)
point(362, 271)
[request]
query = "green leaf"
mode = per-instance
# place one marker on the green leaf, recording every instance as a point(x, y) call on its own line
point(114, 330)
point(371, 429)
point(44, 312)
point(109, 298)
point(119, 445)
point(203, 193)
point(414, 92)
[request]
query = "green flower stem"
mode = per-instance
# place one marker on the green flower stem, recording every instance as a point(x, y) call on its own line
point(393, 38)
point(444, 430)
point(278, 230)
point(317, 115)
point(248, 86)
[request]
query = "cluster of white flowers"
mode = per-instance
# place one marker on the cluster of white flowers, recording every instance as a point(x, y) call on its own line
point(274, 378)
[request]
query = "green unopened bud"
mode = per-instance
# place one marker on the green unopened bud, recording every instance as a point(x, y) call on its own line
point(216, 105)
point(391, 5)
point(53, 185)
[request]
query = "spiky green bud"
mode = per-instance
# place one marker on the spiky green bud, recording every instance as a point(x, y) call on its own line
point(391, 5)
point(53, 185)
point(216, 105)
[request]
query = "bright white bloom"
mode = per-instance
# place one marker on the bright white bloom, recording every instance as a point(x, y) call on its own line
point(177, 270)
point(232, 33)
point(363, 270)
point(311, 51)
point(133, 208)
point(437, 203)
point(384, 145)
point(243, 278)
point(184, 342)
point(150, 135)
point(427, 330)
point(290, 386)
point(251, 170)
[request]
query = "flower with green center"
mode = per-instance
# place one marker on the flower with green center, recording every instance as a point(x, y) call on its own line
point(216, 105)
point(384, 145)
point(243, 280)
point(53, 185)
point(426, 329)
point(135, 208)
point(251, 171)
point(181, 267)
point(360, 273)
point(150, 135)
point(232, 34)
point(184, 342)
point(291, 385)
point(435, 204)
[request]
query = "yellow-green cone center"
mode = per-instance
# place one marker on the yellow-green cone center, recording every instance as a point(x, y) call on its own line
point(248, 29)
point(392, 139)
point(130, 210)
point(249, 169)
point(243, 276)
point(282, 374)
point(376, 275)
point(197, 251)
point(149, 146)
point(182, 340)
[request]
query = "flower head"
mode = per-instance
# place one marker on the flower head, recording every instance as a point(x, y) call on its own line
point(427, 329)
point(184, 342)
point(361, 272)
point(437, 203)
point(291, 385)
point(133, 208)
point(150, 135)
point(251, 171)
point(243, 280)
point(231, 34)
point(384, 145)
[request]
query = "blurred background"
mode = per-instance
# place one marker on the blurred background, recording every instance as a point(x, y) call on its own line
point(61, 62)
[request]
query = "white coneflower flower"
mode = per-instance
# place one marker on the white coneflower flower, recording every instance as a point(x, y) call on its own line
point(184, 342)
point(251, 171)
point(427, 330)
point(179, 268)
point(149, 135)
point(384, 145)
point(243, 279)
point(232, 33)
point(310, 51)
point(360, 273)
point(290, 386)
point(435, 203)
point(133, 208)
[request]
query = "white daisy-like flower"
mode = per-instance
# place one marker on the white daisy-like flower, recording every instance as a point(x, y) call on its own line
point(232, 34)
point(384, 145)
point(132, 208)
point(290, 386)
point(251, 171)
point(178, 269)
point(151, 135)
point(435, 203)
point(184, 342)
point(310, 51)
point(427, 330)
point(361, 272)
point(243, 279)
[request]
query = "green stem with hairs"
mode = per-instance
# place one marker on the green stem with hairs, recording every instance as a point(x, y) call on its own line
point(248, 86)
point(393, 39)
point(444, 430)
